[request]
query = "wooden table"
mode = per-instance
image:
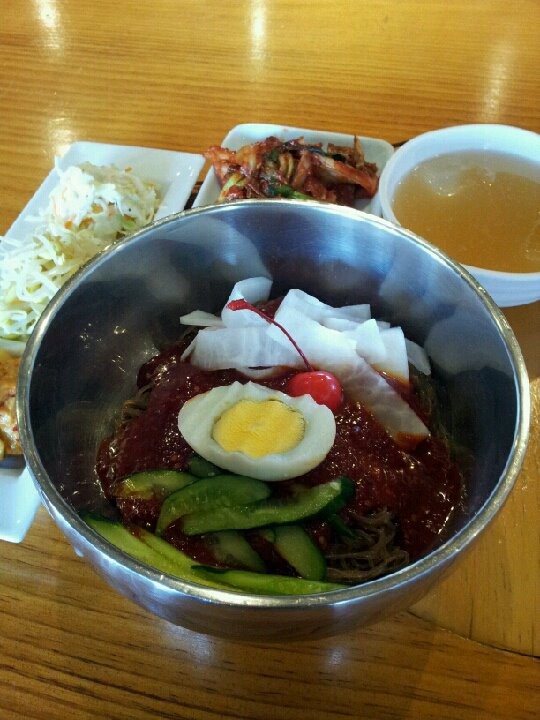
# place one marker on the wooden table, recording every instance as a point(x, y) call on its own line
point(179, 74)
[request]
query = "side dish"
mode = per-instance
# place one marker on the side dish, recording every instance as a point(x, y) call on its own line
point(91, 207)
point(9, 432)
point(284, 446)
point(294, 169)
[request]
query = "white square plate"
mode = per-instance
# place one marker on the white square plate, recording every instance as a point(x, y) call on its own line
point(175, 174)
point(376, 151)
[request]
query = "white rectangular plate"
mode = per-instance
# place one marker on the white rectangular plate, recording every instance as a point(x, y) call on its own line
point(376, 151)
point(19, 501)
point(175, 174)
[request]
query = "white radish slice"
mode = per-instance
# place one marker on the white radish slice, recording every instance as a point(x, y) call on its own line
point(396, 362)
point(200, 318)
point(418, 357)
point(221, 348)
point(369, 344)
point(339, 324)
point(323, 347)
point(316, 310)
point(330, 350)
point(253, 290)
point(305, 304)
point(262, 373)
point(241, 318)
point(364, 384)
point(358, 313)
point(190, 348)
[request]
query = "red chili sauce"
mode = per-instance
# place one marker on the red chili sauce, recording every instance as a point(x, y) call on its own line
point(422, 488)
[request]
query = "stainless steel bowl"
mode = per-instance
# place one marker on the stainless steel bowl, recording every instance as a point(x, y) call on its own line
point(82, 360)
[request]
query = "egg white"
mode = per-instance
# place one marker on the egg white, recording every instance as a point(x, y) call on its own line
point(197, 417)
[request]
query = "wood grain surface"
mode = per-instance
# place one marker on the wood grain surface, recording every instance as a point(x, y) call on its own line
point(71, 647)
point(179, 74)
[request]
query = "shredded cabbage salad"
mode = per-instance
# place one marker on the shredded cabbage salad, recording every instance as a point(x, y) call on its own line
point(90, 208)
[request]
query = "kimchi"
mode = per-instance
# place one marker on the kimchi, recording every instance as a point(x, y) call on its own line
point(294, 169)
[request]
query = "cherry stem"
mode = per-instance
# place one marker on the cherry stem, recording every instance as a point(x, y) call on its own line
point(242, 304)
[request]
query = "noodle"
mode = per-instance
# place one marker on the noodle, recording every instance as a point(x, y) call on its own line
point(367, 551)
point(136, 405)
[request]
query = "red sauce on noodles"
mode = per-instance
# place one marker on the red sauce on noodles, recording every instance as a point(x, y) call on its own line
point(422, 488)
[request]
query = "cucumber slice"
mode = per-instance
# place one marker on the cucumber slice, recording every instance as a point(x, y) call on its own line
point(159, 554)
point(263, 584)
point(181, 565)
point(295, 546)
point(268, 534)
point(118, 535)
point(339, 527)
point(305, 503)
point(231, 548)
point(211, 493)
point(150, 550)
point(203, 468)
point(150, 483)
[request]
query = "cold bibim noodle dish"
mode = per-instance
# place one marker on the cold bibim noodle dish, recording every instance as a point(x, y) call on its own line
point(284, 446)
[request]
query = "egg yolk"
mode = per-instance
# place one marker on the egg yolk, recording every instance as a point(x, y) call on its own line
point(258, 428)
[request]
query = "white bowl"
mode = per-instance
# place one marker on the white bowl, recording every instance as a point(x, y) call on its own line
point(507, 289)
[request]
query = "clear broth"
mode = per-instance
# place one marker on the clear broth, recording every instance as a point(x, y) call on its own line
point(481, 208)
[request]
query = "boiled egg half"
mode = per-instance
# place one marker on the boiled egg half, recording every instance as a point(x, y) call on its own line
point(252, 430)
